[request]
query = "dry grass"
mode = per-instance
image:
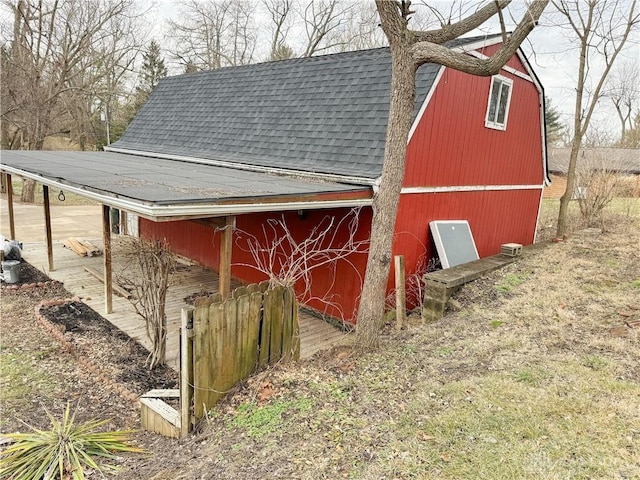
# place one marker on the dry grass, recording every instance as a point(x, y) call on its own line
point(622, 214)
point(535, 378)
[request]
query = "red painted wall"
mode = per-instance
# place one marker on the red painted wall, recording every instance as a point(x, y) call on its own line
point(494, 217)
point(334, 288)
point(452, 146)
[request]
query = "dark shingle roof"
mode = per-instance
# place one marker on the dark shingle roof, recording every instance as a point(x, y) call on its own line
point(325, 114)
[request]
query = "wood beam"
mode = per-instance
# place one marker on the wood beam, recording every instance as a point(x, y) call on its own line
point(226, 247)
point(215, 222)
point(124, 223)
point(47, 225)
point(12, 224)
point(108, 281)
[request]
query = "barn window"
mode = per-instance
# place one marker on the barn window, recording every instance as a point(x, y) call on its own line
point(499, 99)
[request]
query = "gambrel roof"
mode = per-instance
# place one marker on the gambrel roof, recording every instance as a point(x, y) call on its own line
point(287, 135)
point(325, 114)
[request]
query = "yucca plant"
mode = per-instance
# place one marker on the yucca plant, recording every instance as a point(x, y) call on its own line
point(63, 452)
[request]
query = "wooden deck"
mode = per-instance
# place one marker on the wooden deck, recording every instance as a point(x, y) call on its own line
point(315, 334)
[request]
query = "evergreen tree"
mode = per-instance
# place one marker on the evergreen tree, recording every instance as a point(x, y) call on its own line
point(555, 128)
point(153, 69)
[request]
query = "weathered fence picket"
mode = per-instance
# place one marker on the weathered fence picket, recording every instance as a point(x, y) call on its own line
point(223, 342)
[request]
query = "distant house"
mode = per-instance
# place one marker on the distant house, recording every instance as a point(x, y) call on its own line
point(621, 161)
point(303, 140)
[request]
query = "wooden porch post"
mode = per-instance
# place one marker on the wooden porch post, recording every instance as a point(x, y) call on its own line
point(124, 223)
point(12, 225)
point(226, 247)
point(47, 225)
point(106, 238)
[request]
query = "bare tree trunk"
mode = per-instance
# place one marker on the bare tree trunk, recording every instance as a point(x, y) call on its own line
point(410, 49)
point(596, 30)
point(563, 214)
point(386, 200)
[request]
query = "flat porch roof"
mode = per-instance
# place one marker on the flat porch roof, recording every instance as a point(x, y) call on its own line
point(162, 189)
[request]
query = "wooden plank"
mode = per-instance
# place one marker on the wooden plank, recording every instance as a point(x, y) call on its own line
point(106, 240)
point(217, 320)
point(297, 341)
point(12, 224)
point(240, 291)
point(47, 225)
point(157, 416)
point(275, 345)
point(186, 371)
point(287, 324)
point(72, 244)
point(253, 327)
point(202, 365)
point(226, 248)
point(244, 365)
point(116, 288)
point(230, 365)
point(124, 224)
point(401, 297)
point(265, 331)
point(89, 247)
point(263, 286)
point(252, 287)
point(162, 393)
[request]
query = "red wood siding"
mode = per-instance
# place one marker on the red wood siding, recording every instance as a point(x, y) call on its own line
point(514, 62)
point(451, 145)
point(334, 290)
point(495, 217)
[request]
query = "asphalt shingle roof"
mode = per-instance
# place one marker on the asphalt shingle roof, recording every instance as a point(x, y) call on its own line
point(325, 114)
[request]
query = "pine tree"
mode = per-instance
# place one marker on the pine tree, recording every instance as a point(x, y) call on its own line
point(153, 69)
point(555, 128)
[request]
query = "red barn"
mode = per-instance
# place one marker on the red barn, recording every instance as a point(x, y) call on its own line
point(301, 142)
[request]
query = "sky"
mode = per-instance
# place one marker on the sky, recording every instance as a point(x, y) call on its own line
point(550, 49)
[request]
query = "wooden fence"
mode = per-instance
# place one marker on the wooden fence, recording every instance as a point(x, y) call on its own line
point(223, 342)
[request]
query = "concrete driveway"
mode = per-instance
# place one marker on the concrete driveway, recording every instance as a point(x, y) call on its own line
point(66, 221)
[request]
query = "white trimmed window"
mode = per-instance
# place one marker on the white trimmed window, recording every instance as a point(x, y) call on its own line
point(499, 100)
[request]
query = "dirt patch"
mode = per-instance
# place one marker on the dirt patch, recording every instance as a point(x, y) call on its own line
point(123, 358)
point(39, 374)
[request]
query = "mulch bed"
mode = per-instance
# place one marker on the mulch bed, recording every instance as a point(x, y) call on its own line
point(119, 359)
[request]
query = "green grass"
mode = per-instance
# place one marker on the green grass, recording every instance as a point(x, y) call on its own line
point(510, 281)
point(258, 421)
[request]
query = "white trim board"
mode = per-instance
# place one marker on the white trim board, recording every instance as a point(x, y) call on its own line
point(425, 104)
point(469, 188)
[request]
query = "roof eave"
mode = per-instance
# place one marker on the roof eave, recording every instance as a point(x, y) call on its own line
point(359, 197)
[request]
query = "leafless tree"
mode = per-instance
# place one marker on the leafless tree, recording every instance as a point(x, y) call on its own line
point(147, 274)
point(601, 29)
point(280, 14)
point(599, 178)
point(324, 21)
point(290, 262)
point(410, 49)
point(624, 91)
point(49, 57)
point(214, 33)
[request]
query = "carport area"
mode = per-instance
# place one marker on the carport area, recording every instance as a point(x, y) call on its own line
point(158, 190)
